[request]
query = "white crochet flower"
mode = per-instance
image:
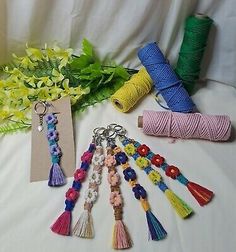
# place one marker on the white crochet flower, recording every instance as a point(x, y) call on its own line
point(90, 195)
point(95, 178)
point(98, 159)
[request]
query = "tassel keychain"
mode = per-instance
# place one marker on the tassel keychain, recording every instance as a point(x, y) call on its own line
point(130, 147)
point(84, 226)
point(156, 230)
point(56, 176)
point(200, 193)
point(121, 238)
point(62, 225)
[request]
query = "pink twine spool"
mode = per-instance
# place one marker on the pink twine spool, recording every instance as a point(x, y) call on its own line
point(181, 125)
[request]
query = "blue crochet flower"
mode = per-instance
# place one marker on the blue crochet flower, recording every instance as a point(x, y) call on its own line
point(52, 134)
point(139, 192)
point(55, 150)
point(51, 119)
point(129, 174)
point(121, 158)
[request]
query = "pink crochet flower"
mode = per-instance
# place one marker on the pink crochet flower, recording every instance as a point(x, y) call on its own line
point(87, 157)
point(79, 175)
point(113, 178)
point(115, 199)
point(110, 161)
point(72, 194)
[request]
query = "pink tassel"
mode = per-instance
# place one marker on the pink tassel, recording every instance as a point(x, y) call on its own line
point(62, 224)
point(121, 237)
point(201, 194)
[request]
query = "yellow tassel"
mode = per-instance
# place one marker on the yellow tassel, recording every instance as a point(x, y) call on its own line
point(181, 207)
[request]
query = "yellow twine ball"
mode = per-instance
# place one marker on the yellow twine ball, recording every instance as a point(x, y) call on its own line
point(132, 91)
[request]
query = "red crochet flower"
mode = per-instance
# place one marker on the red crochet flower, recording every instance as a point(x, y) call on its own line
point(143, 150)
point(172, 171)
point(72, 194)
point(87, 156)
point(157, 160)
point(79, 175)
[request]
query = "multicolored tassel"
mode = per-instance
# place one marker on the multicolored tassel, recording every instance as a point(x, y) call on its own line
point(201, 194)
point(62, 225)
point(156, 230)
point(84, 226)
point(181, 208)
point(56, 175)
point(121, 238)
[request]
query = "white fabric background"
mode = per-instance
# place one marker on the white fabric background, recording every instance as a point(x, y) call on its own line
point(118, 29)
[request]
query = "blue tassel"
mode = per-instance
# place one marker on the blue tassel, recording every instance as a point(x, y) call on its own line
point(156, 230)
point(56, 176)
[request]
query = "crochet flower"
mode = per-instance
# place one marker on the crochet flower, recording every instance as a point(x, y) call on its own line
point(143, 150)
point(51, 119)
point(129, 174)
point(121, 158)
point(52, 134)
point(72, 194)
point(113, 178)
point(79, 175)
point(98, 160)
point(157, 160)
point(139, 192)
point(142, 162)
point(110, 161)
point(130, 149)
point(115, 199)
point(95, 178)
point(90, 195)
point(172, 171)
point(87, 156)
point(55, 150)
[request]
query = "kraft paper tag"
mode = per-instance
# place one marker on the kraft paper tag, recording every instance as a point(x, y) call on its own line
point(40, 156)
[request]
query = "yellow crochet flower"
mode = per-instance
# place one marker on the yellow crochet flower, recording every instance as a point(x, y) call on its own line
point(154, 176)
point(130, 149)
point(142, 162)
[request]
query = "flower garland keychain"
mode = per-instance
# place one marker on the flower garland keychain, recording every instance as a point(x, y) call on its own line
point(156, 230)
point(143, 156)
point(121, 238)
point(84, 226)
point(62, 225)
point(56, 175)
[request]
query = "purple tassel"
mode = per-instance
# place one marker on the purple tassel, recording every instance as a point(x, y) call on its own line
point(56, 176)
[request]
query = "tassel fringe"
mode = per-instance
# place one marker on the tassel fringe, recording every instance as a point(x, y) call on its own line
point(156, 230)
point(201, 194)
point(121, 238)
point(62, 224)
point(181, 207)
point(84, 226)
point(56, 176)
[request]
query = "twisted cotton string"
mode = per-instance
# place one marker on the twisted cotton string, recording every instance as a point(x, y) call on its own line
point(165, 80)
point(132, 91)
point(179, 125)
point(192, 49)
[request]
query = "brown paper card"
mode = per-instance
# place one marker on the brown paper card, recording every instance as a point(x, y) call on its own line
point(40, 156)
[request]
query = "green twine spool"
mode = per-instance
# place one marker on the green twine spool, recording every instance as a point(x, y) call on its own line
point(192, 49)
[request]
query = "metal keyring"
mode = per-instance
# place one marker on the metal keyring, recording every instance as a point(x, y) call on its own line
point(99, 131)
point(44, 106)
point(109, 133)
